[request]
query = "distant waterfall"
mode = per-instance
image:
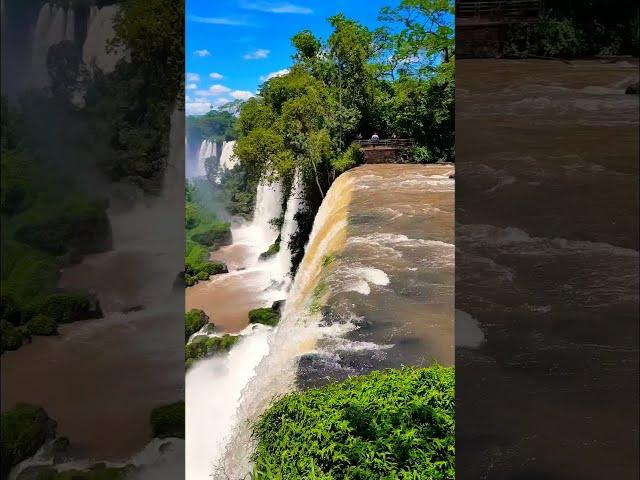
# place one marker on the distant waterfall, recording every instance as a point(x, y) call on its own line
point(289, 228)
point(99, 32)
point(49, 30)
point(208, 149)
point(56, 24)
point(227, 159)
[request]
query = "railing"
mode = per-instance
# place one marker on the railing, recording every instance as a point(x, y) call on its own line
point(498, 8)
point(387, 142)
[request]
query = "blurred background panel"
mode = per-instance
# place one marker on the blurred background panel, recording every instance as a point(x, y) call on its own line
point(92, 205)
point(547, 240)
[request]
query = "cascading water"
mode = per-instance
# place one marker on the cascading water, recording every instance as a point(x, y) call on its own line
point(260, 234)
point(295, 335)
point(289, 228)
point(208, 149)
point(48, 31)
point(100, 31)
point(227, 159)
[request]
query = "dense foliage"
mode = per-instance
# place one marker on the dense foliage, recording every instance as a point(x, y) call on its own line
point(48, 222)
point(395, 80)
point(23, 431)
point(168, 420)
point(396, 424)
point(216, 126)
point(194, 320)
point(204, 233)
point(578, 29)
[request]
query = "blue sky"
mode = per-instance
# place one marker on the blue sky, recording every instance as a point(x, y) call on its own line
point(233, 45)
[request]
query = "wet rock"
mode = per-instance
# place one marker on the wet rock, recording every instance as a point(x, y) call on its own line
point(60, 450)
point(278, 306)
point(132, 308)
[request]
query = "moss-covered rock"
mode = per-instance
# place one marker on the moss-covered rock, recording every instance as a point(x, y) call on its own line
point(194, 320)
point(68, 307)
point(168, 420)
point(265, 316)
point(24, 429)
point(273, 249)
point(42, 325)
point(11, 337)
point(203, 346)
point(97, 472)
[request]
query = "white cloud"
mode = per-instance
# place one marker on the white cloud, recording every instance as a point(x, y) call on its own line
point(216, 76)
point(192, 86)
point(193, 77)
point(257, 54)
point(271, 75)
point(221, 101)
point(276, 7)
point(217, 20)
point(218, 89)
point(198, 106)
point(241, 94)
point(202, 53)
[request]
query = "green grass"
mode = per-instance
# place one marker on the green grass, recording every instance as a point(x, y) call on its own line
point(390, 425)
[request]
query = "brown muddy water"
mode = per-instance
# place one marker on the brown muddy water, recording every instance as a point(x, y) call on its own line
point(547, 268)
point(391, 282)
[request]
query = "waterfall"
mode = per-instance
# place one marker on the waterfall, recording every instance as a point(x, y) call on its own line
point(227, 159)
point(40, 46)
point(54, 25)
point(289, 228)
point(70, 29)
point(260, 233)
point(297, 333)
point(208, 149)
point(214, 386)
point(99, 32)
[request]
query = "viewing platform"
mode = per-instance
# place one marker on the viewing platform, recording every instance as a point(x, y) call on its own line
point(385, 150)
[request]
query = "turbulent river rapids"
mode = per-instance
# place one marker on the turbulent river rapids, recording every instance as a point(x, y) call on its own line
point(374, 290)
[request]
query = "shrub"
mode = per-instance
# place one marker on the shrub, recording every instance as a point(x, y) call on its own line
point(42, 325)
point(203, 346)
point(348, 159)
point(194, 320)
point(273, 249)
point(68, 307)
point(11, 337)
point(212, 234)
point(24, 429)
point(396, 424)
point(168, 420)
point(265, 316)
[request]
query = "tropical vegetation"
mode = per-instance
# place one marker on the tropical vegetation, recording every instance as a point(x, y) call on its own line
point(387, 425)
